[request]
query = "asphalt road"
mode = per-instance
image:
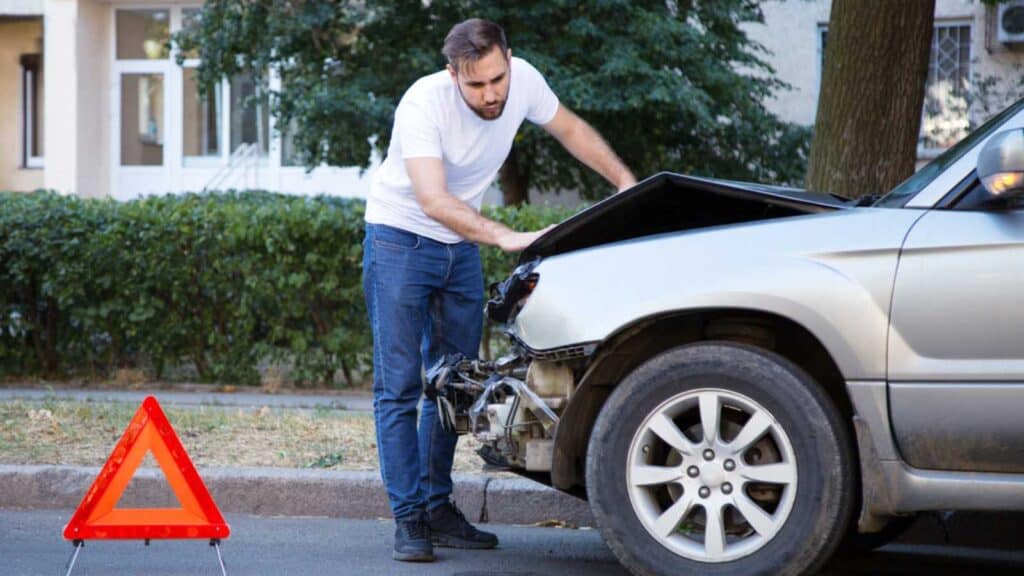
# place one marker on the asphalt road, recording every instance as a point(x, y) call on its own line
point(31, 544)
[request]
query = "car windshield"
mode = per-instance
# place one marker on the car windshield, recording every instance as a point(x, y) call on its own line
point(903, 192)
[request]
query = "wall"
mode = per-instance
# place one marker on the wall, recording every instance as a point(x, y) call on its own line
point(17, 37)
point(61, 75)
point(92, 55)
point(21, 7)
point(790, 33)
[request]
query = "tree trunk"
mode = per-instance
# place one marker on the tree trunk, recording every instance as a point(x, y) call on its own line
point(515, 180)
point(872, 92)
point(52, 359)
point(347, 373)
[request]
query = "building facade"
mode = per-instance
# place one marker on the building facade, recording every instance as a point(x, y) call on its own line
point(968, 63)
point(93, 103)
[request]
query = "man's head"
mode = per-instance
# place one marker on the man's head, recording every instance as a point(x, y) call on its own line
point(478, 60)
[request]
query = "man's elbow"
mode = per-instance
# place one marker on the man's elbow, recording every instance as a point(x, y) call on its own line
point(431, 205)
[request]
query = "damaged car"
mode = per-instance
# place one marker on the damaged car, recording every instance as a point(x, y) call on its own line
point(744, 378)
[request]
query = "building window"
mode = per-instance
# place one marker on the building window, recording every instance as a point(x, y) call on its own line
point(945, 121)
point(143, 34)
point(201, 118)
point(32, 110)
point(142, 119)
point(250, 116)
point(944, 118)
point(190, 18)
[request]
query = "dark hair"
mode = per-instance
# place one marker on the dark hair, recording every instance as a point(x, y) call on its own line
point(472, 39)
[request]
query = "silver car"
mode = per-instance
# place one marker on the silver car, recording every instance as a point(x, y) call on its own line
point(744, 379)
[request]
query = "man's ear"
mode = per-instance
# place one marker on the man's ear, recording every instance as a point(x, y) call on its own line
point(451, 71)
point(508, 54)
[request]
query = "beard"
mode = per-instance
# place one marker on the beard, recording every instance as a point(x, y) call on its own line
point(492, 112)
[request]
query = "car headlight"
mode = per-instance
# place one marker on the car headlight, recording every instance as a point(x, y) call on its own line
point(509, 295)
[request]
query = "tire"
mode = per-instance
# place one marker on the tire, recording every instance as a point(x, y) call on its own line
point(802, 506)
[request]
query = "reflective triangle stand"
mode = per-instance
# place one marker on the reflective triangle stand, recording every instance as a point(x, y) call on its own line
point(79, 544)
point(74, 556)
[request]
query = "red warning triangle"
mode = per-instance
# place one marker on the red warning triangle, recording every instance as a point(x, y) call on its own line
point(198, 517)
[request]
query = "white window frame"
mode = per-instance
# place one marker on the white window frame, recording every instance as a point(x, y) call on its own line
point(28, 117)
point(224, 130)
point(120, 67)
point(273, 144)
point(175, 163)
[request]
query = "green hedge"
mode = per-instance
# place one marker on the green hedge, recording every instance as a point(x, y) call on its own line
point(220, 282)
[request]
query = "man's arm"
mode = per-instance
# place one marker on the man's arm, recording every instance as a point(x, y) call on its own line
point(583, 142)
point(428, 182)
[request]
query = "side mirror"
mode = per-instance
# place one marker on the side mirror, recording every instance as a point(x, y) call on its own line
point(1001, 164)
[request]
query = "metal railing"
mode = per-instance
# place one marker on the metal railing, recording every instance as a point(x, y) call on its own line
point(245, 158)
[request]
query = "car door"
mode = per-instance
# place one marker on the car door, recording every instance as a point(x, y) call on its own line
point(956, 341)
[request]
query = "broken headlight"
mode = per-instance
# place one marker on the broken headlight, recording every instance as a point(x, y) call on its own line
point(509, 295)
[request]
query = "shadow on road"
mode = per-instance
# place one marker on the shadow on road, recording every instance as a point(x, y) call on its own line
point(907, 560)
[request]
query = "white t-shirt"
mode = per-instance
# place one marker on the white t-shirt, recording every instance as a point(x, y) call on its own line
point(432, 120)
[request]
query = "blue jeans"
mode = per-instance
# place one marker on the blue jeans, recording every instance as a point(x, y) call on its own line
point(425, 300)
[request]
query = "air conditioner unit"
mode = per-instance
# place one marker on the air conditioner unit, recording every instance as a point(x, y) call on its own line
point(1010, 22)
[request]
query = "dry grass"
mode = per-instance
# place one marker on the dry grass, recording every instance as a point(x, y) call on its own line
point(84, 433)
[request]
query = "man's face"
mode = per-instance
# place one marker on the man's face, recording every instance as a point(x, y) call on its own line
point(484, 83)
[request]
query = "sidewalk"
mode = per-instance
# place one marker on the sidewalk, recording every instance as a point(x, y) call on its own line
point(356, 401)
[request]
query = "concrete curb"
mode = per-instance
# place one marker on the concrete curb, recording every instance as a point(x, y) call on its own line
point(360, 495)
point(294, 492)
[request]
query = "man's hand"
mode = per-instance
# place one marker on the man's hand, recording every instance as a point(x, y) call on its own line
point(627, 182)
point(512, 241)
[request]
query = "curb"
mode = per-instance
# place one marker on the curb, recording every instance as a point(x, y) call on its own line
point(294, 492)
point(360, 495)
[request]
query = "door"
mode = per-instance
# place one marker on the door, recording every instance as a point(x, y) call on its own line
point(956, 344)
point(139, 97)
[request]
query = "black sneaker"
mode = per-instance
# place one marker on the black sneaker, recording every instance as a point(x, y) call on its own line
point(449, 528)
point(412, 540)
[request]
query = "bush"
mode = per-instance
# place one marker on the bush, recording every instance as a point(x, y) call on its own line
point(221, 282)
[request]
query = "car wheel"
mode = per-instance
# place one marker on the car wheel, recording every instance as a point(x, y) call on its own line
point(720, 458)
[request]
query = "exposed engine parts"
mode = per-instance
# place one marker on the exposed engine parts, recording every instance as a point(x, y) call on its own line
point(492, 401)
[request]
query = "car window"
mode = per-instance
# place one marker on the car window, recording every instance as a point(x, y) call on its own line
point(972, 196)
point(911, 186)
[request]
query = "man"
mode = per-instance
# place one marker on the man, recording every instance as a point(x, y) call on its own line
point(421, 268)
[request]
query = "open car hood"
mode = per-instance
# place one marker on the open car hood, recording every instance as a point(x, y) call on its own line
point(668, 202)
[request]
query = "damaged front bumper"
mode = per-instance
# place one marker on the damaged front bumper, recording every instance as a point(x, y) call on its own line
point(514, 422)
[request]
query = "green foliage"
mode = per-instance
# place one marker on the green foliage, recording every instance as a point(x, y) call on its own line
point(221, 282)
point(673, 85)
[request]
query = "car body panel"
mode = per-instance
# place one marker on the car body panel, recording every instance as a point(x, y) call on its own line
point(956, 352)
point(957, 308)
point(852, 260)
point(890, 486)
point(959, 426)
point(668, 202)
